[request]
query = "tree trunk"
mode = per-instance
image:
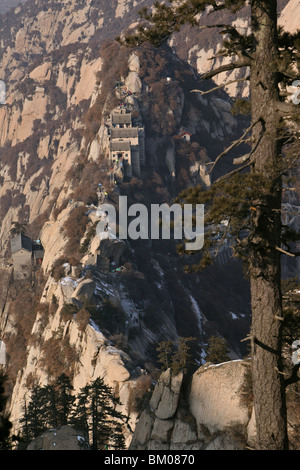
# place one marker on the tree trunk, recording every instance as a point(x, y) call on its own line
point(264, 259)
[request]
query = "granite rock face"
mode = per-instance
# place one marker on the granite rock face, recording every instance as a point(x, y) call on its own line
point(197, 419)
point(215, 398)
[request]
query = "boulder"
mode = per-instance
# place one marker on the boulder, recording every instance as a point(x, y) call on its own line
point(116, 371)
point(67, 285)
point(168, 404)
point(134, 63)
point(113, 363)
point(41, 73)
point(85, 289)
point(110, 248)
point(215, 395)
point(95, 149)
point(165, 397)
point(133, 82)
point(63, 438)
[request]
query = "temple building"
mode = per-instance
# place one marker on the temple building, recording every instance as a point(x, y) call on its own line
point(25, 254)
point(127, 143)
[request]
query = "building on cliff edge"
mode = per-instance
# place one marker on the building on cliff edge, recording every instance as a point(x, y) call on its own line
point(26, 254)
point(126, 143)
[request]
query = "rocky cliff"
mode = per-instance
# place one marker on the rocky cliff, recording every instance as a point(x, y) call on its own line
point(209, 414)
point(61, 68)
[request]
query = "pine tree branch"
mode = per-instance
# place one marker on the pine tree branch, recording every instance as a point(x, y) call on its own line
point(220, 54)
point(286, 252)
point(226, 67)
point(242, 159)
point(233, 172)
point(227, 150)
point(247, 157)
point(234, 144)
point(220, 86)
point(158, 33)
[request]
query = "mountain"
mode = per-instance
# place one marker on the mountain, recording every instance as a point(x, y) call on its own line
point(95, 305)
point(7, 4)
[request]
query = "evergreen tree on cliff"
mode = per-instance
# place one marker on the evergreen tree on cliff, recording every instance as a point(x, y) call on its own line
point(250, 197)
point(96, 414)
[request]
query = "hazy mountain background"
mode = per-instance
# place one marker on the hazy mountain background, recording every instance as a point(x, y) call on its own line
point(5, 5)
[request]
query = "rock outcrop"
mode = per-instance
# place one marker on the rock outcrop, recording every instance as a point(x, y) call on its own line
point(207, 415)
point(215, 395)
point(63, 438)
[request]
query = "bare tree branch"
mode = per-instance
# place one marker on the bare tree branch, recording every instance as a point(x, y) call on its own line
point(220, 86)
point(224, 177)
point(242, 159)
point(284, 251)
point(289, 253)
point(225, 68)
point(220, 54)
point(234, 144)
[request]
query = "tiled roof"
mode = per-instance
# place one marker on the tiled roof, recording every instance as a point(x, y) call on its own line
point(20, 241)
point(121, 118)
point(117, 133)
point(121, 145)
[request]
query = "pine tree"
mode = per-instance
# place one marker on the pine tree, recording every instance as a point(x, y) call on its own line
point(80, 414)
point(250, 196)
point(182, 359)
point(92, 410)
point(164, 349)
point(65, 398)
point(96, 414)
point(34, 419)
point(217, 350)
point(49, 407)
point(25, 426)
